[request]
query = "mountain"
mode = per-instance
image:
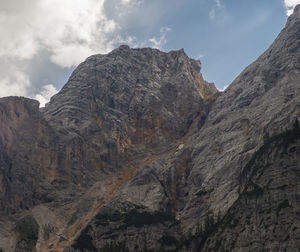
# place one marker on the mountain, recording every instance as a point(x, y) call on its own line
point(138, 152)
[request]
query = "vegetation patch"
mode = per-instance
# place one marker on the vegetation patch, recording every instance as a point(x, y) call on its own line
point(203, 192)
point(168, 240)
point(281, 140)
point(133, 216)
point(84, 241)
point(114, 247)
point(48, 229)
point(253, 190)
point(139, 219)
point(73, 219)
point(284, 204)
point(27, 230)
point(104, 217)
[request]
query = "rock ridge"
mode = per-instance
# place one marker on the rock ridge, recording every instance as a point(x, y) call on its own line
point(139, 152)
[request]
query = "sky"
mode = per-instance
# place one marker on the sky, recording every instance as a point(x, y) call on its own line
point(42, 41)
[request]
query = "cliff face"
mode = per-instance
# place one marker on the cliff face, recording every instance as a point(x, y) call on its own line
point(117, 113)
point(264, 98)
point(138, 152)
point(266, 214)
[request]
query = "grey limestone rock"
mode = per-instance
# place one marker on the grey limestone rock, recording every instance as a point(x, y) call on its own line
point(138, 151)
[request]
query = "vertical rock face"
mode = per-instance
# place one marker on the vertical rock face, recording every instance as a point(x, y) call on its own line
point(148, 95)
point(266, 214)
point(19, 123)
point(124, 106)
point(117, 113)
point(138, 152)
point(264, 98)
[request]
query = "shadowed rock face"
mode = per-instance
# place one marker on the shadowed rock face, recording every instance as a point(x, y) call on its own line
point(137, 151)
point(265, 97)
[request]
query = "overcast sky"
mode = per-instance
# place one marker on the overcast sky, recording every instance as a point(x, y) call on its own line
point(42, 41)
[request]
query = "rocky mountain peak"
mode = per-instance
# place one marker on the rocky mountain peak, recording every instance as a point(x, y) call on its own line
point(138, 152)
point(133, 85)
point(296, 13)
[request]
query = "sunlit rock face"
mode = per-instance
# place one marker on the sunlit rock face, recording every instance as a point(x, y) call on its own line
point(139, 152)
point(117, 113)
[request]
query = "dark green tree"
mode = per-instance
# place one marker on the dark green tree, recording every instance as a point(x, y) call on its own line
point(296, 124)
point(266, 137)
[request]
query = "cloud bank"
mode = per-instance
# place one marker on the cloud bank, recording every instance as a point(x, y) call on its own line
point(46, 93)
point(65, 31)
point(69, 32)
point(162, 40)
point(290, 5)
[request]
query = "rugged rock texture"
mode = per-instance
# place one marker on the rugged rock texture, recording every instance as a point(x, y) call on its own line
point(118, 113)
point(116, 106)
point(137, 152)
point(265, 217)
point(20, 170)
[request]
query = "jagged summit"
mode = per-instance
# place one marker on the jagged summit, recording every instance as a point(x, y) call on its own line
point(296, 13)
point(126, 48)
point(126, 81)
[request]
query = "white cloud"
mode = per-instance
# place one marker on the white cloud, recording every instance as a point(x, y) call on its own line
point(290, 5)
point(212, 12)
point(70, 55)
point(162, 40)
point(14, 84)
point(46, 93)
point(218, 3)
point(67, 31)
point(224, 88)
point(77, 28)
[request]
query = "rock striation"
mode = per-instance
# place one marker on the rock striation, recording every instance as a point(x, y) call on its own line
point(138, 152)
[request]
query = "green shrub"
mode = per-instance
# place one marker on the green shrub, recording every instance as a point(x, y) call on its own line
point(168, 240)
point(48, 229)
point(139, 219)
point(131, 217)
point(73, 219)
point(84, 241)
point(27, 229)
point(114, 247)
point(284, 204)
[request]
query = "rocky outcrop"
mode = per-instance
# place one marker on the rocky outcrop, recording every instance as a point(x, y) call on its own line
point(20, 123)
point(200, 179)
point(137, 152)
point(266, 214)
point(117, 105)
point(118, 113)
point(264, 98)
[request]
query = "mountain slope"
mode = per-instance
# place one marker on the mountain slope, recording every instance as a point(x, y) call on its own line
point(201, 177)
point(266, 214)
point(264, 98)
point(117, 113)
point(137, 152)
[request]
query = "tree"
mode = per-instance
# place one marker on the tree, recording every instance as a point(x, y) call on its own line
point(296, 124)
point(266, 137)
point(199, 231)
point(219, 216)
